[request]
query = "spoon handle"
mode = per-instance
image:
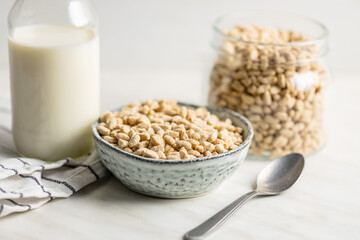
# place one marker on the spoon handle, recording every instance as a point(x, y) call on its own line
point(201, 231)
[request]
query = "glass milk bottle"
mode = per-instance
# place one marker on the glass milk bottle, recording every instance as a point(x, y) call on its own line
point(54, 75)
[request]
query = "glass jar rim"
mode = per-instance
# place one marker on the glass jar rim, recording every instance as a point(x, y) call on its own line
point(219, 30)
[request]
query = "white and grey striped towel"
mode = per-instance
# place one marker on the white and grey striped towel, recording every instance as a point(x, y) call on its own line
point(27, 183)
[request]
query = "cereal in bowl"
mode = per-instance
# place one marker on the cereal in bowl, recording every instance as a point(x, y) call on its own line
point(165, 130)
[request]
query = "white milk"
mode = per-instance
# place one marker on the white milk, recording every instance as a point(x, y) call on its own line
point(54, 72)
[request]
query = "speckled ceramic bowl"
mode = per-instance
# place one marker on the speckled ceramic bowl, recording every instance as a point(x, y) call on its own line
point(175, 178)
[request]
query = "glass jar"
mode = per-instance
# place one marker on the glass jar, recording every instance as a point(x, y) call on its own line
point(54, 75)
point(270, 68)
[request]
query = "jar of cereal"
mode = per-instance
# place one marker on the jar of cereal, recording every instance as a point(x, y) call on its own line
point(270, 68)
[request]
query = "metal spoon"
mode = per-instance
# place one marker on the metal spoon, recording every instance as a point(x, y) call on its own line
point(275, 178)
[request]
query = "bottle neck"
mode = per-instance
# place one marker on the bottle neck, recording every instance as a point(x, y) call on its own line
point(76, 13)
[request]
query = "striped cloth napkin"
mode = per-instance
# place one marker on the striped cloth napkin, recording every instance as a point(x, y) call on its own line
point(27, 183)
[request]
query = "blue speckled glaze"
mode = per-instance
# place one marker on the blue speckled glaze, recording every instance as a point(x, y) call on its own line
point(175, 178)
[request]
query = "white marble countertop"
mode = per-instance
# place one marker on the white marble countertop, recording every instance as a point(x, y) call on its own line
point(324, 204)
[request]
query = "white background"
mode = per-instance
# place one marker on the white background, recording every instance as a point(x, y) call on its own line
point(176, 33)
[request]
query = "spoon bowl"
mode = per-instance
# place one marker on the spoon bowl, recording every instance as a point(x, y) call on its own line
point(280, 174)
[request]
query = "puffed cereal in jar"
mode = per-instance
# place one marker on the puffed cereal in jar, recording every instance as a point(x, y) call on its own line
point(272, 71)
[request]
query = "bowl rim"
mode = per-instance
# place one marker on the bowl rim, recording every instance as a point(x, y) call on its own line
point(244, 144)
